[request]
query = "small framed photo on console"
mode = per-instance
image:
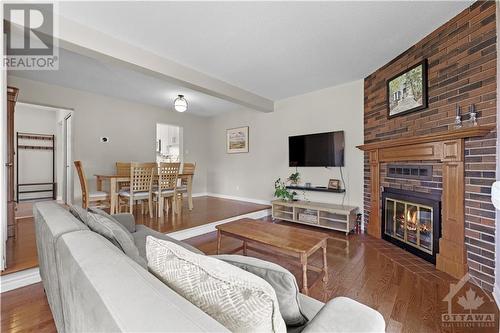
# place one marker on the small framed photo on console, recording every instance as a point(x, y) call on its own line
point(334, 184)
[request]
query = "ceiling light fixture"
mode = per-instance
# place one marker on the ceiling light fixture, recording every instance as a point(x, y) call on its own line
point(180, 104)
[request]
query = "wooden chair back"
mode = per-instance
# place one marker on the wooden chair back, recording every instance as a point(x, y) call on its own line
point(123, 168)
point(187, 169)
point(141, 176)
point(167, 176)
point(83, 184)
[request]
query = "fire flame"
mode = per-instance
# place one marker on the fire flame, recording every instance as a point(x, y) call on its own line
point(411, 222)
point(411, 217)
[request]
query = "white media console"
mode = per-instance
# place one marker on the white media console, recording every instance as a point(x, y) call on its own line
point(324, 215)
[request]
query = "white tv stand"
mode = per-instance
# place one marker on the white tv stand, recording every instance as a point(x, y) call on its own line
point(323, 215)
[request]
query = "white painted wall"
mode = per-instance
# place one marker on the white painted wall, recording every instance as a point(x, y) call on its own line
point(35, 166)
point(252, 175)
point(131, 128)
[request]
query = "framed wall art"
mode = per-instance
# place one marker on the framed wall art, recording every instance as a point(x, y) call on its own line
point(237, 140)
point(407, 91)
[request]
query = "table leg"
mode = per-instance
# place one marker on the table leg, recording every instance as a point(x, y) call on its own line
point(190, 191)
point(303, 261)
point(244, 248)
point(219, 236)
point(113, 196)
point(325, 266)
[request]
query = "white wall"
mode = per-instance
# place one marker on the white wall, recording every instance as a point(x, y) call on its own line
point(252, 175)
point(35, 166)
point(131, 128)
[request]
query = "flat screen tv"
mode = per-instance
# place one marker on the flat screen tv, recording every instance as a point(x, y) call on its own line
point(316, 150)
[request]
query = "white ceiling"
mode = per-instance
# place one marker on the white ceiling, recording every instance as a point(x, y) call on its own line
point(274, 49)
point(88, 74)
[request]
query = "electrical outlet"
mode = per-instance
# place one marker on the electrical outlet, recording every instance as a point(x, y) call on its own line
point(237, 187)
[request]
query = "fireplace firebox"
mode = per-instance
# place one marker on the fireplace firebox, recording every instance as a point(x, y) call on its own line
point(412, 221)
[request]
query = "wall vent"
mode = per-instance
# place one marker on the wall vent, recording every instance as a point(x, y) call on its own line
point(420, 172)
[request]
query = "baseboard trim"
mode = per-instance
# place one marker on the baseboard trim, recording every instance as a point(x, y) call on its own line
point(19, 279)
point(200, 194)
point(496, 294)
point(206, 228)
point(232, 197)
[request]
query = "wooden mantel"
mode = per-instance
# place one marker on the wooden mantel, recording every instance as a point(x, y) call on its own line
point(462, 133)
point(448, 148)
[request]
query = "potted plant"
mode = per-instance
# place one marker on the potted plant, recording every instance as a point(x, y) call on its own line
point(281, 192)
point(294, 178)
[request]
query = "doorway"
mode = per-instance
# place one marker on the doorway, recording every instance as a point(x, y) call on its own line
point(45, 144)
point(169, 143)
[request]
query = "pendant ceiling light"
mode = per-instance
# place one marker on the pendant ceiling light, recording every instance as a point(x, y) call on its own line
point(180, 104)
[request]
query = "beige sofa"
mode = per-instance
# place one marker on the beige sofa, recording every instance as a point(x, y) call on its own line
point(92, 286)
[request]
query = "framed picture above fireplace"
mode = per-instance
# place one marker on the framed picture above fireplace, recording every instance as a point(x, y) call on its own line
point(407, 91)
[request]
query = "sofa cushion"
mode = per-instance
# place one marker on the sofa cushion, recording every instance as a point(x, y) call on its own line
point(142, 232)
point(127, 220)
point(103, 290)
point(279, 278)
point(345, 315)
point(116, 234)
point(239, 300)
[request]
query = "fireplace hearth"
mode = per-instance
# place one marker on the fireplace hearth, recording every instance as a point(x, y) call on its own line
point(412, 221)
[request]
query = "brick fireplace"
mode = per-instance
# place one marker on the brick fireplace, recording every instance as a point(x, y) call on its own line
point(462, 65)
point(446, 148)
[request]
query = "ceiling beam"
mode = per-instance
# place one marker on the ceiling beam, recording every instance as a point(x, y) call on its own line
point(87, 41)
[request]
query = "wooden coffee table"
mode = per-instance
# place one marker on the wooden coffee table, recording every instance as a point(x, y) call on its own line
point(291, 242)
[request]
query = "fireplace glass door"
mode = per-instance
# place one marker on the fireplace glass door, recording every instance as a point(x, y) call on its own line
point(410, 223)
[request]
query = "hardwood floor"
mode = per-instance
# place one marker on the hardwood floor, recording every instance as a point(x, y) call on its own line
point(21, 252)
point(26, 310)
point(406, 290)
point(206, 210)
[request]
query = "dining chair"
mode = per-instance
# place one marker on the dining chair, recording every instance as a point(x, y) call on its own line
point(141, 182)
point(187, 169)
point(90, 198)
point(122, 169)
point(168, 174)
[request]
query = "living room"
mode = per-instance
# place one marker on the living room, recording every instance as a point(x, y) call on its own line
point(429, 167)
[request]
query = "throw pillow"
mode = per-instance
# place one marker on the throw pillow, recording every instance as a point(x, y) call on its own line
point(103, 213)
point(116, 234)
point(79, 212)
point(239, 300)
point(283, 282)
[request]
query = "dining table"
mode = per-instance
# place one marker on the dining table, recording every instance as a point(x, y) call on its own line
point(114, 180)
